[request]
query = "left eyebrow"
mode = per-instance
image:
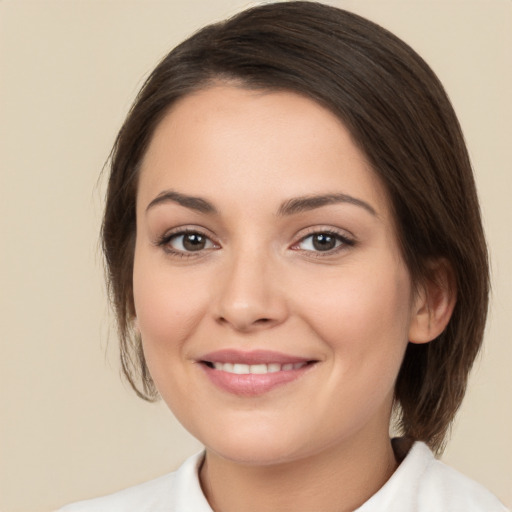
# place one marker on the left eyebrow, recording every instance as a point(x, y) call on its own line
point(194, 203)
point(305, 203)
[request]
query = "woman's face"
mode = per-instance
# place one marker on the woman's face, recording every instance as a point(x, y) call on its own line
point(270, 293)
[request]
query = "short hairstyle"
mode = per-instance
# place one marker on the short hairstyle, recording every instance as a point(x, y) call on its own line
point(399, 116)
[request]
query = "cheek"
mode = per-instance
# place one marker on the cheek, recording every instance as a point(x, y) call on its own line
point(364, 320)
point(167, 304)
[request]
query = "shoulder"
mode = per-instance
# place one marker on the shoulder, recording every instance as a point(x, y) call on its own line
point(444, 488)
point(422, 483)
point(142, 497)
point(168, 493)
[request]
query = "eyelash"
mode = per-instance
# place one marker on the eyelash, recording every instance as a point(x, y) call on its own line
point(165, 240)
point(342, 243)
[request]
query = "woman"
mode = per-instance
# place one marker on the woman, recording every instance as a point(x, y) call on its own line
point(295, 251)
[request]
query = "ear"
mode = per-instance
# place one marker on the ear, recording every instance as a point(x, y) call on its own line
point(434, 303)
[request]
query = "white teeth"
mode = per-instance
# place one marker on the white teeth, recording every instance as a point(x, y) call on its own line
point(258, 368)
point(244, 369)
point(241, 369)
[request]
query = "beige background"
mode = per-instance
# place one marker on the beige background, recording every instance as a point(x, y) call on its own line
point(69, 428)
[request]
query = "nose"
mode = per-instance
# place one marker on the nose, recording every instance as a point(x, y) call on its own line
point(250, 296)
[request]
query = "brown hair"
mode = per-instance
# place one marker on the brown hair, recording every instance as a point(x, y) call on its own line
point(401, 118)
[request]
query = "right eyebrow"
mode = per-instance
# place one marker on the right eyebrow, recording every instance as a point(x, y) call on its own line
point(194, 203)
point(305, 203)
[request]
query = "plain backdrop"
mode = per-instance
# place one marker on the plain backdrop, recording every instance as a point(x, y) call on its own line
point(69, 427)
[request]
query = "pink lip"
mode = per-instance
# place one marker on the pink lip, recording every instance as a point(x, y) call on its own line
point(251, 357)
point(252, 384)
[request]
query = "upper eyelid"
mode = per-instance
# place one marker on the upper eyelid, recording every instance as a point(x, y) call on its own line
point(164, 242)
point(299, 237)
point(183, 230)
point(342, 233)
point(344, 239)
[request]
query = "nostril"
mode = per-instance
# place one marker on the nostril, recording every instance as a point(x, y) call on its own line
point(245, 324)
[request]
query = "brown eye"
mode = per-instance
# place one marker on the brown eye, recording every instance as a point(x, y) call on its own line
point(323, 241)
point(194, 242)
point(190, 242)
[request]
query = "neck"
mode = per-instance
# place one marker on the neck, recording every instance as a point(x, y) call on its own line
point(336, 480)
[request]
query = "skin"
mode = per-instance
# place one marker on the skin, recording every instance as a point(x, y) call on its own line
point(320, 442)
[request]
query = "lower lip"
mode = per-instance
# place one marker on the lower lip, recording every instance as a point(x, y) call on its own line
point(253, 384)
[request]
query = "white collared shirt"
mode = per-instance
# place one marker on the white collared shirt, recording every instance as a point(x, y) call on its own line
point(420, 484)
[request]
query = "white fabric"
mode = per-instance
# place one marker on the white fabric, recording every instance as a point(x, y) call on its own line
point(420, 484)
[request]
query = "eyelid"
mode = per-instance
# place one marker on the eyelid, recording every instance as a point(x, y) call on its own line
point(165, 239)
point(347, 240)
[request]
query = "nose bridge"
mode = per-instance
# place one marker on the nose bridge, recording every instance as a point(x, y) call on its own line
point(249, 295)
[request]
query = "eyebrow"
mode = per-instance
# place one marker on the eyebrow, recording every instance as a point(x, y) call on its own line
point(194, 203)
point(305, 203)
point(289, 207)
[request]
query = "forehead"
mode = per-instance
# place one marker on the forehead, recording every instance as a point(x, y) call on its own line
point(232, 143)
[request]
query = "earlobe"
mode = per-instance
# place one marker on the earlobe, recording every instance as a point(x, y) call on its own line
point(434, 303)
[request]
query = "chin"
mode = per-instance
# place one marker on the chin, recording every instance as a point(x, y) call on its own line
point(254, 454)
point(258, 446)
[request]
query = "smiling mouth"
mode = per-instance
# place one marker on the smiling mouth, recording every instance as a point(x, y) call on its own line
point(256, 369)
point(255, 372)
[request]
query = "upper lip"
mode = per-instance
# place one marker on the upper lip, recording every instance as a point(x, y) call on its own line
point(251, 357)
